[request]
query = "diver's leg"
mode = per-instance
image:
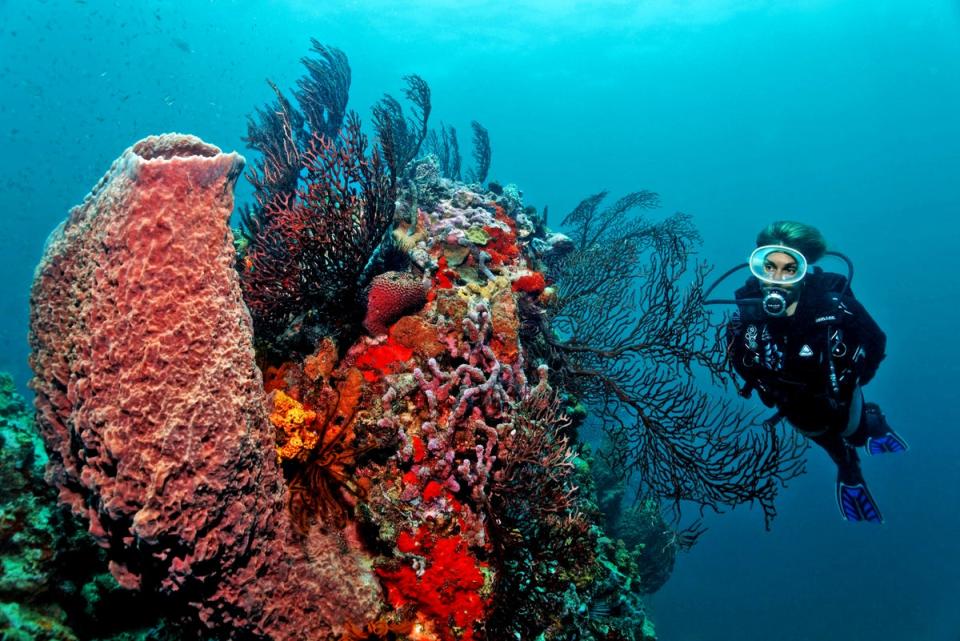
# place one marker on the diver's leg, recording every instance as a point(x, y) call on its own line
point(843, 455)
point(853, 498)
point(854, 415)
point(870, 429)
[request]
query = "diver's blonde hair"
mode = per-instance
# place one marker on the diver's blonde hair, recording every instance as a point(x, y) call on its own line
point(805, 238)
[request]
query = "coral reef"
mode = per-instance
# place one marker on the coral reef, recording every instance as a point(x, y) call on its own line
point(28, 542)
point(425, 471)
point(247, 456)
point(31, 528)
point(643, 530)
point(640, 528)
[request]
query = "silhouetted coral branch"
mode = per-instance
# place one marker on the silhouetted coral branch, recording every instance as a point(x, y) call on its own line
point(323, 93)
point(401, 137)
point(281, 132)
point(481, 153)
point(592, 227)
point(276, 172)
point(418, 93)
point(447, 151)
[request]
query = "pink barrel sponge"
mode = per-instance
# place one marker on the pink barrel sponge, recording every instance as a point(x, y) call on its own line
point(392, 295)
point(152, 408)
point(135, 323)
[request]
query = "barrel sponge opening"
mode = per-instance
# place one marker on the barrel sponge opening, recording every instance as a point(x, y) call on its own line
point(169, 146)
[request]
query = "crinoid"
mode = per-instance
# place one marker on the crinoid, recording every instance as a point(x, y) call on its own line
point(322, 487)
point(320, 490)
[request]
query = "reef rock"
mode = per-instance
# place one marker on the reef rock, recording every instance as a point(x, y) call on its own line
point(152, 408)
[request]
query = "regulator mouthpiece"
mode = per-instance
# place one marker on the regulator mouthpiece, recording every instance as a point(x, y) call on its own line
point(776, 301)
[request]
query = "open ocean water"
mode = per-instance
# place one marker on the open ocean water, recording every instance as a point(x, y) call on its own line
point(843, 114)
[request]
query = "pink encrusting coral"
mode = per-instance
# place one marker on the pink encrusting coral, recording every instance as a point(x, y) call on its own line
point(152, 407)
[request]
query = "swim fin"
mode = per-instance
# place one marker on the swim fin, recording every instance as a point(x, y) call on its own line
point(886, 444)
point(881, 439)
point(853, 498)
point(857, 504)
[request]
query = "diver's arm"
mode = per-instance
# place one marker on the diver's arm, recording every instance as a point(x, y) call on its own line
point(872, 340)
point(735, 354)
point(734, 344)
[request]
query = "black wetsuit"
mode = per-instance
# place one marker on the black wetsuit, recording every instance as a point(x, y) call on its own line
point(787, 360)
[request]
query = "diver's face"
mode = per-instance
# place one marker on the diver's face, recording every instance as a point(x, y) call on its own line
point(779, 266)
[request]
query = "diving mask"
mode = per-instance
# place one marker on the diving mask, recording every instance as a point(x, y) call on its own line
point(779, 278)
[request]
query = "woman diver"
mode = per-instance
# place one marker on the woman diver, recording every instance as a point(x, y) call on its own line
point(807, 346)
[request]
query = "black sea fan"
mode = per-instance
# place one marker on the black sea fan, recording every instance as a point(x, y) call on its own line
point(628, 335)
point(324, 204)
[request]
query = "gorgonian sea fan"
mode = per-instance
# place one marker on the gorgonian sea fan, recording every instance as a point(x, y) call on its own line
point(313, 245)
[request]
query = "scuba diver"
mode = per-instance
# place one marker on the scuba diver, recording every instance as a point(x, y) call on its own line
point(806, 345)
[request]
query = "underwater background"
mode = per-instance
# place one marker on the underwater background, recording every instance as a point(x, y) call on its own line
point(840, 114)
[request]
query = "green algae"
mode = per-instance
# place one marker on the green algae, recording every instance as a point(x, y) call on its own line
point(478, 236)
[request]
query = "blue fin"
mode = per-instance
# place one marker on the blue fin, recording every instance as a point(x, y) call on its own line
point(856, 504)
point(887, 443)
point(881, 439)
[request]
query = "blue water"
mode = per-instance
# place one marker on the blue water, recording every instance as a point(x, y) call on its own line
point(842, 114)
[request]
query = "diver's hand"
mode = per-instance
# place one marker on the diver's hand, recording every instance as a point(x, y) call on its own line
point(772, 421)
